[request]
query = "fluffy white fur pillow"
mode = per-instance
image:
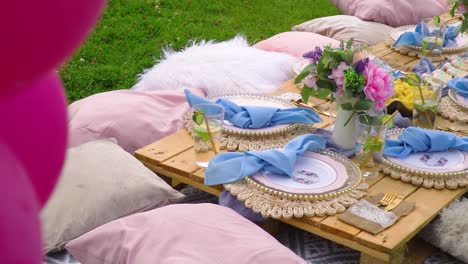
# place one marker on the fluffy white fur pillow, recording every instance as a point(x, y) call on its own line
point(450, 231)
point(219, 68)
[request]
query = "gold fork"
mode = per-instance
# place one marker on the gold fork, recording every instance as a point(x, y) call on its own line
point(387, 199)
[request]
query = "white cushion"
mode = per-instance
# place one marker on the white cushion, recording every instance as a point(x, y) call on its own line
point(219, 68)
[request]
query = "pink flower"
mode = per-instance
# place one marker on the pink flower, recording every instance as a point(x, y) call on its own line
point(379, 85)
point(338, 77)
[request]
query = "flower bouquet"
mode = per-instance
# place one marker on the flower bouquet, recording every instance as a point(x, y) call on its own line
point(358, 84)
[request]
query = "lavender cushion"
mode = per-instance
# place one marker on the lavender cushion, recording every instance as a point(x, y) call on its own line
point(184, 233)
point(134, 118)
point(295, 43)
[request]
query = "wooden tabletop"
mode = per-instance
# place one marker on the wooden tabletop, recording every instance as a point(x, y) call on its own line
point(174, 157)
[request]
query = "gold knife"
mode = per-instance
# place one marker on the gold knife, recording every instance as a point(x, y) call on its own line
point(300, 104)
point(395, 203)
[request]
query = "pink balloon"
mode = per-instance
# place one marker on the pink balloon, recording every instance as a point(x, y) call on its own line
point(33, 122)
point(38, 35)
point(20, 238)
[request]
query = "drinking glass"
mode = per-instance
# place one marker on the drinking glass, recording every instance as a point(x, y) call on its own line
point(426, 101)
point(370, 142)
point(207, 124)
point(433, 38)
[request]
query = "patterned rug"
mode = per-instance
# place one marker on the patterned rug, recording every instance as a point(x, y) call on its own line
point(312, 248)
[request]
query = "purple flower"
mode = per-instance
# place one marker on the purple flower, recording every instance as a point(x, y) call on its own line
point(337, 75)
point(361, 65)
point(314, 55)
point(311, 80)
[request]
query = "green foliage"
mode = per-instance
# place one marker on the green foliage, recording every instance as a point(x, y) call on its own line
point(203, 134)
point(363, 105)
point(304, 73)
point(347, 106)
point(326, 84)
point(413, 79)
point(454, 8)
point(307, 92)
point(436, 20)
point(131, 34)
point(373, 144)
point(354, 81)
point(464, 26)
point(197, 117)
point(456, 4)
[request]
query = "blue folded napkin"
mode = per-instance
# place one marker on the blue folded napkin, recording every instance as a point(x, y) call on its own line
point(258, 116)
point(232, 166)
point(415, 139)
point(424, 65)
point(415, 38)
point(460, 85)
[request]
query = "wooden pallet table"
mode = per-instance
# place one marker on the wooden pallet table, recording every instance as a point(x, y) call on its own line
point(174, 157)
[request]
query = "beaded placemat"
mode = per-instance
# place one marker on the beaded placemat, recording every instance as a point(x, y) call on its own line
point(450, 110)
point(283, 202)
point(237, 142)
point(437, 178)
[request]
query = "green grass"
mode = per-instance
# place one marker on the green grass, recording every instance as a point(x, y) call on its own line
point(131, 33)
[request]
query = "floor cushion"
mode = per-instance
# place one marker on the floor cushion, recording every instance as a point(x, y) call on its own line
point(184, 233)
point(344, 27)
point(449, 230)
point(295, 43)
point(134, 118)
point(218, 68)
point(99, 183)
point(394, 13)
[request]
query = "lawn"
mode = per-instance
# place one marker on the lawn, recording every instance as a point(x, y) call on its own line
point(131, 33)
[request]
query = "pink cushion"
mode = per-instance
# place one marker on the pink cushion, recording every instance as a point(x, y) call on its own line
point(394, 13)
point(295, 43)
point(183, 233)
point(134, 118)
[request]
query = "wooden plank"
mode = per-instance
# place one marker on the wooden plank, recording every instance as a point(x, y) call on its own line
point(396, 258)
point(183, 163)
point(215, 190)
point(378, 48)
point(384, 52)
point(336, 238)
point(417, 251)
point(395, 59)
point(373, 180)
point(325, 123)
point(387, 184)
point(428, 203)
point(333, 224)
point(198, 176)
point(165, 148)
point(287, 87)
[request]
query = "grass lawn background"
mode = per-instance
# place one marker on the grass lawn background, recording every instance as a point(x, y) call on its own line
point(131, 34)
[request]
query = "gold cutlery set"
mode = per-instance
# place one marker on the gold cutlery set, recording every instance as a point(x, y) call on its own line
point(300, 103)
point(391, 200)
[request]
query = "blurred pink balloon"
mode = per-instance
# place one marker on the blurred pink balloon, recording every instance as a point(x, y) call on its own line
point(38, 35)
point(20, 239)
point(34, 124)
